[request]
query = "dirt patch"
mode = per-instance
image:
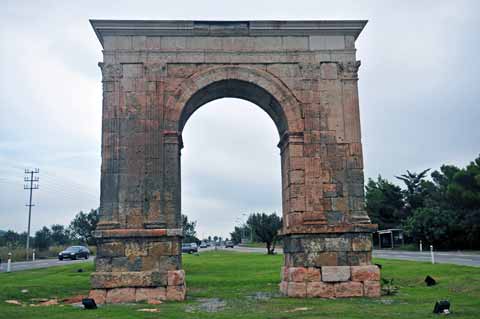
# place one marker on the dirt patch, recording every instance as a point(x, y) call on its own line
point(207, 305)
point(299, 309)
point(149, 310)
point(74, 299)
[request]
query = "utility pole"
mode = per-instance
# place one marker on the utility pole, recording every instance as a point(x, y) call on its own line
point(30, 178)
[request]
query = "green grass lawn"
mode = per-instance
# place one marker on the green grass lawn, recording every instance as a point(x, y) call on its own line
point(246, 286)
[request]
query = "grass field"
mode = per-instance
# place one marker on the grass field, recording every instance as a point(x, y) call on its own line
point(238, 285)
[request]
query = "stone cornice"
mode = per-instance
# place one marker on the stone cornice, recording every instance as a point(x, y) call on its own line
point(226, 28)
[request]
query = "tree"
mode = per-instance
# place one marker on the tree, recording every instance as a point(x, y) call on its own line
point(265, 228)
point(237, 234)
point(43, 238)
point(433, 225)
point(60, 235)
point(189, 232)
point(414, 195)
point(83, 225)
point(384, 203)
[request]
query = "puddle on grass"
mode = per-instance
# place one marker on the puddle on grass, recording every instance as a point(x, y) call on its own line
point(207, 305)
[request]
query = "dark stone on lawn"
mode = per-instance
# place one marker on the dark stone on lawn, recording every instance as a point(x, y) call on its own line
point(430, 281)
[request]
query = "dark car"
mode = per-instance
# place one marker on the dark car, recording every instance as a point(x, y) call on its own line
point(229, 244)
point(74, 252)
point(189, 248)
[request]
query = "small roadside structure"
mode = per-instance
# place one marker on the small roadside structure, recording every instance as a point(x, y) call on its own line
point(390, 238)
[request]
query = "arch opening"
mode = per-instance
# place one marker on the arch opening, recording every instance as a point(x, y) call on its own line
point(234, 172)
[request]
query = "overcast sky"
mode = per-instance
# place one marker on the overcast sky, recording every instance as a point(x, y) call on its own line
point(419, 97)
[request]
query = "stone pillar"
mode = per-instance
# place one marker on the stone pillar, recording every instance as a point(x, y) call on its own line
point(327, 234)
point(139, 232)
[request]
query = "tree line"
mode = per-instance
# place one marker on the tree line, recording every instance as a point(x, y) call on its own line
point(443, 210)
point(79, 231)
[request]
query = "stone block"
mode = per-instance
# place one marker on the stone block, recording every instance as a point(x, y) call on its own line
point(99, 295)
point(134, 248)
point(132, 70)
point(284, 288)
point(359, 258)
point(120, 295)
point(337, 244)
point(335, 273)
point(297, 274)
point(362, 243)
point(365, 273)
point(297, 289)
point(322, 42)
point(320, 290)
point(323, 259)
point(335, 217)
point(113, 249)
point(292, 245)
point(176, 293)
point(147, 294)
point(284, 273)
point(295, 43)
point(120, 264)
point(176, 277)
point(348, 289)
point(103, 264)
point(372, 289)
point(160, 249)
point(328, 71)
point(313, 274)
point(297, 177)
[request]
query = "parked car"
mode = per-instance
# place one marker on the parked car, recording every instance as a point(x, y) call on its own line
point(203, 244)
point(189, 248)
point(229, 244)
point(74, 252)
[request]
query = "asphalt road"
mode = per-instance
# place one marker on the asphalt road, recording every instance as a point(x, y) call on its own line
point(444, 257)
point(449, 257)
point(41, 263)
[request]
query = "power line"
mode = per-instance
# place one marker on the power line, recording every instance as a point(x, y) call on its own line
point(31, 179)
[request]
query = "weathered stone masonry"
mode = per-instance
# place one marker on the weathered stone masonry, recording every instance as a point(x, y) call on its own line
point(155, 75)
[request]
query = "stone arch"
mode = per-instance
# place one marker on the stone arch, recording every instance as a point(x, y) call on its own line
point(304, 75)
point(251, 84)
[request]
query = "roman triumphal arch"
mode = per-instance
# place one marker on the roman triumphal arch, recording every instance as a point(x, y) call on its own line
point(155, 74)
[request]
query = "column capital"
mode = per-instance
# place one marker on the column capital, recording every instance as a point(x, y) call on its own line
point(290, 138)
point(349, 70)
point(172, 137)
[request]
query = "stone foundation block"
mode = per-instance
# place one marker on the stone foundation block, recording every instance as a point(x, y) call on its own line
point(335, 273)
point(365, 273)
point(348, 289)
point(297, 289)
point(372, 289)
point(284, 288)
point(120, 295)
point(148, 294)
point(296, 274)
point(99, 295)
point(176, 277)
point(176, 293)
point(313, 274)
point(320, 290)
point(284, 273)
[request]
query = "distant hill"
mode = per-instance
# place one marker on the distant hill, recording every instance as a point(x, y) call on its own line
point(2, 232)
